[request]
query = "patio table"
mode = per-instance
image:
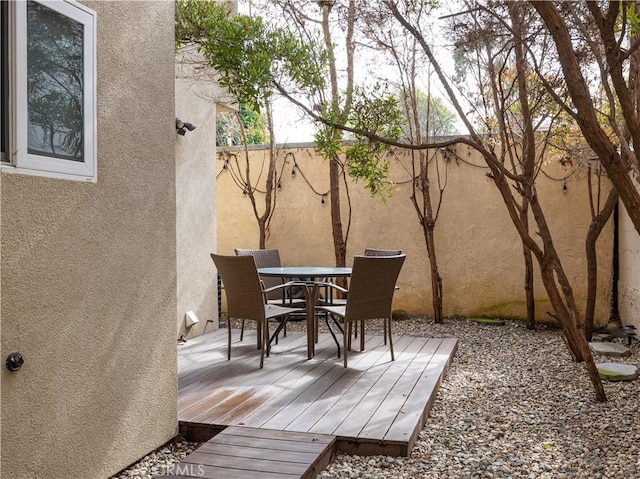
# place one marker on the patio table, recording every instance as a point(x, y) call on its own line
point(308, 277)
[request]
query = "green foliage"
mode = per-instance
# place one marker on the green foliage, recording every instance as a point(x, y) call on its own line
point(377, 112)
point(247, 53)
point(228, 127)
point(250, 55)
point(329, 139)
point(633, 17)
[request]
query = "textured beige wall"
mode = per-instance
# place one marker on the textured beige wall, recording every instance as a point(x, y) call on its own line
point(629, 280)
point(479, 252)
point(196, 201)
point(89, 274)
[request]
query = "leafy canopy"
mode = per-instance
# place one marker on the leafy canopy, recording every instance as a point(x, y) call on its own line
point(248, 54)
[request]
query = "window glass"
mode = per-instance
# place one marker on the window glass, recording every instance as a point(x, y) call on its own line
point(54, 84)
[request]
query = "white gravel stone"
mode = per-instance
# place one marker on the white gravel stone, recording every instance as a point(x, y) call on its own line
point(514, 405)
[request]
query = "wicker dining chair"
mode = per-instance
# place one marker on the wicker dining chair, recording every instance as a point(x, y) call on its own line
point(245, 298)
point(265, 258)
point(377, 252)
point(370, 295)
point(270, 258)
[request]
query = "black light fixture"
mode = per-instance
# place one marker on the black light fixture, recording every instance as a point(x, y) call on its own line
point(630, 333)
point(182, 127)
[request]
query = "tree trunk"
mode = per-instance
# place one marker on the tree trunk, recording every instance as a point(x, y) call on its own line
point(528, 273)
point(339, 245)
point(595, 228)
point(555, 282)
point(436, 280)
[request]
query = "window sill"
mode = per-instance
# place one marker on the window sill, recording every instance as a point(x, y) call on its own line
point(6, 168)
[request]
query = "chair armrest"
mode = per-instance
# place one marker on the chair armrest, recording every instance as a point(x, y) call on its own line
point(280, 286)
point(328, 284)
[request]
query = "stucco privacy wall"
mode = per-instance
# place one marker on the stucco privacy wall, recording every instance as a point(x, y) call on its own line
point(629, 281)
point(89, 274)
point(196, 200)
point(479, 252)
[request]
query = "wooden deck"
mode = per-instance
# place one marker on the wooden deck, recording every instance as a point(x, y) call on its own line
point(375, 406)
point(244, 452)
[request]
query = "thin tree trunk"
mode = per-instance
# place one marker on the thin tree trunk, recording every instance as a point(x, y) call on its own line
point(270, 183)
point(436, 280)
point(528, 273)
point(339, 239)
point(336, 217)
point(595, 228)
point(529, 153)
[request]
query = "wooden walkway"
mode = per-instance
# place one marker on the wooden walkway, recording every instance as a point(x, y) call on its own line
point(248, 453)
point(373, 407)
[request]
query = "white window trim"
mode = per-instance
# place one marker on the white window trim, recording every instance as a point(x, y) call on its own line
point(21, 160)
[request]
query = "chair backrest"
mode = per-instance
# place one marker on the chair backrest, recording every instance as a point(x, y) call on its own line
point(265, 258)
point(241, 285)
point(373, 282)
point(382, 252)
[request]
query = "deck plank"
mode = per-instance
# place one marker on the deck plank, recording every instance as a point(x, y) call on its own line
point(372, 399)
point(394, 402)
point(284, 392)
point(375, 406)
point(333, 418)
point(408, 424)
point(340, 384)
point(240, 452)
point(308, 398)
point(209, 396)
point(253, 390)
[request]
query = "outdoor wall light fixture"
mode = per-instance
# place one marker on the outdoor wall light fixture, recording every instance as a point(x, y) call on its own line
point(182, 127)
point(630, 332)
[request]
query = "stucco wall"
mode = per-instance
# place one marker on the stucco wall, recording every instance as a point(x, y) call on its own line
point(629, 280)
point(196, 201)
point(479, 252)
point(89, 274)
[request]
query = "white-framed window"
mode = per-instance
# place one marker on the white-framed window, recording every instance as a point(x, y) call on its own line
point(49, 96)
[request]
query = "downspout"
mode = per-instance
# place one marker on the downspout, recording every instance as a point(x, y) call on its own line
point(615, 313)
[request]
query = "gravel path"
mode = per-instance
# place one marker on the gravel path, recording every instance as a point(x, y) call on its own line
point(513, 405)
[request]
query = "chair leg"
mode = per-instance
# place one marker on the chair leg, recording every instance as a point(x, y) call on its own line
point(385, 327)
point(259, 336)
point(229, 339)
point(388, 322)
point(346, 340)
point(265, 341)
point(242, 331)
point(361, 335)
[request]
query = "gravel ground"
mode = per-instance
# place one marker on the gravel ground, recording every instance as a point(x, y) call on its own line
point(513, 405)
point(160, 461)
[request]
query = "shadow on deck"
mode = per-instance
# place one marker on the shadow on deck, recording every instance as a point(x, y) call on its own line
point(374, 407)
